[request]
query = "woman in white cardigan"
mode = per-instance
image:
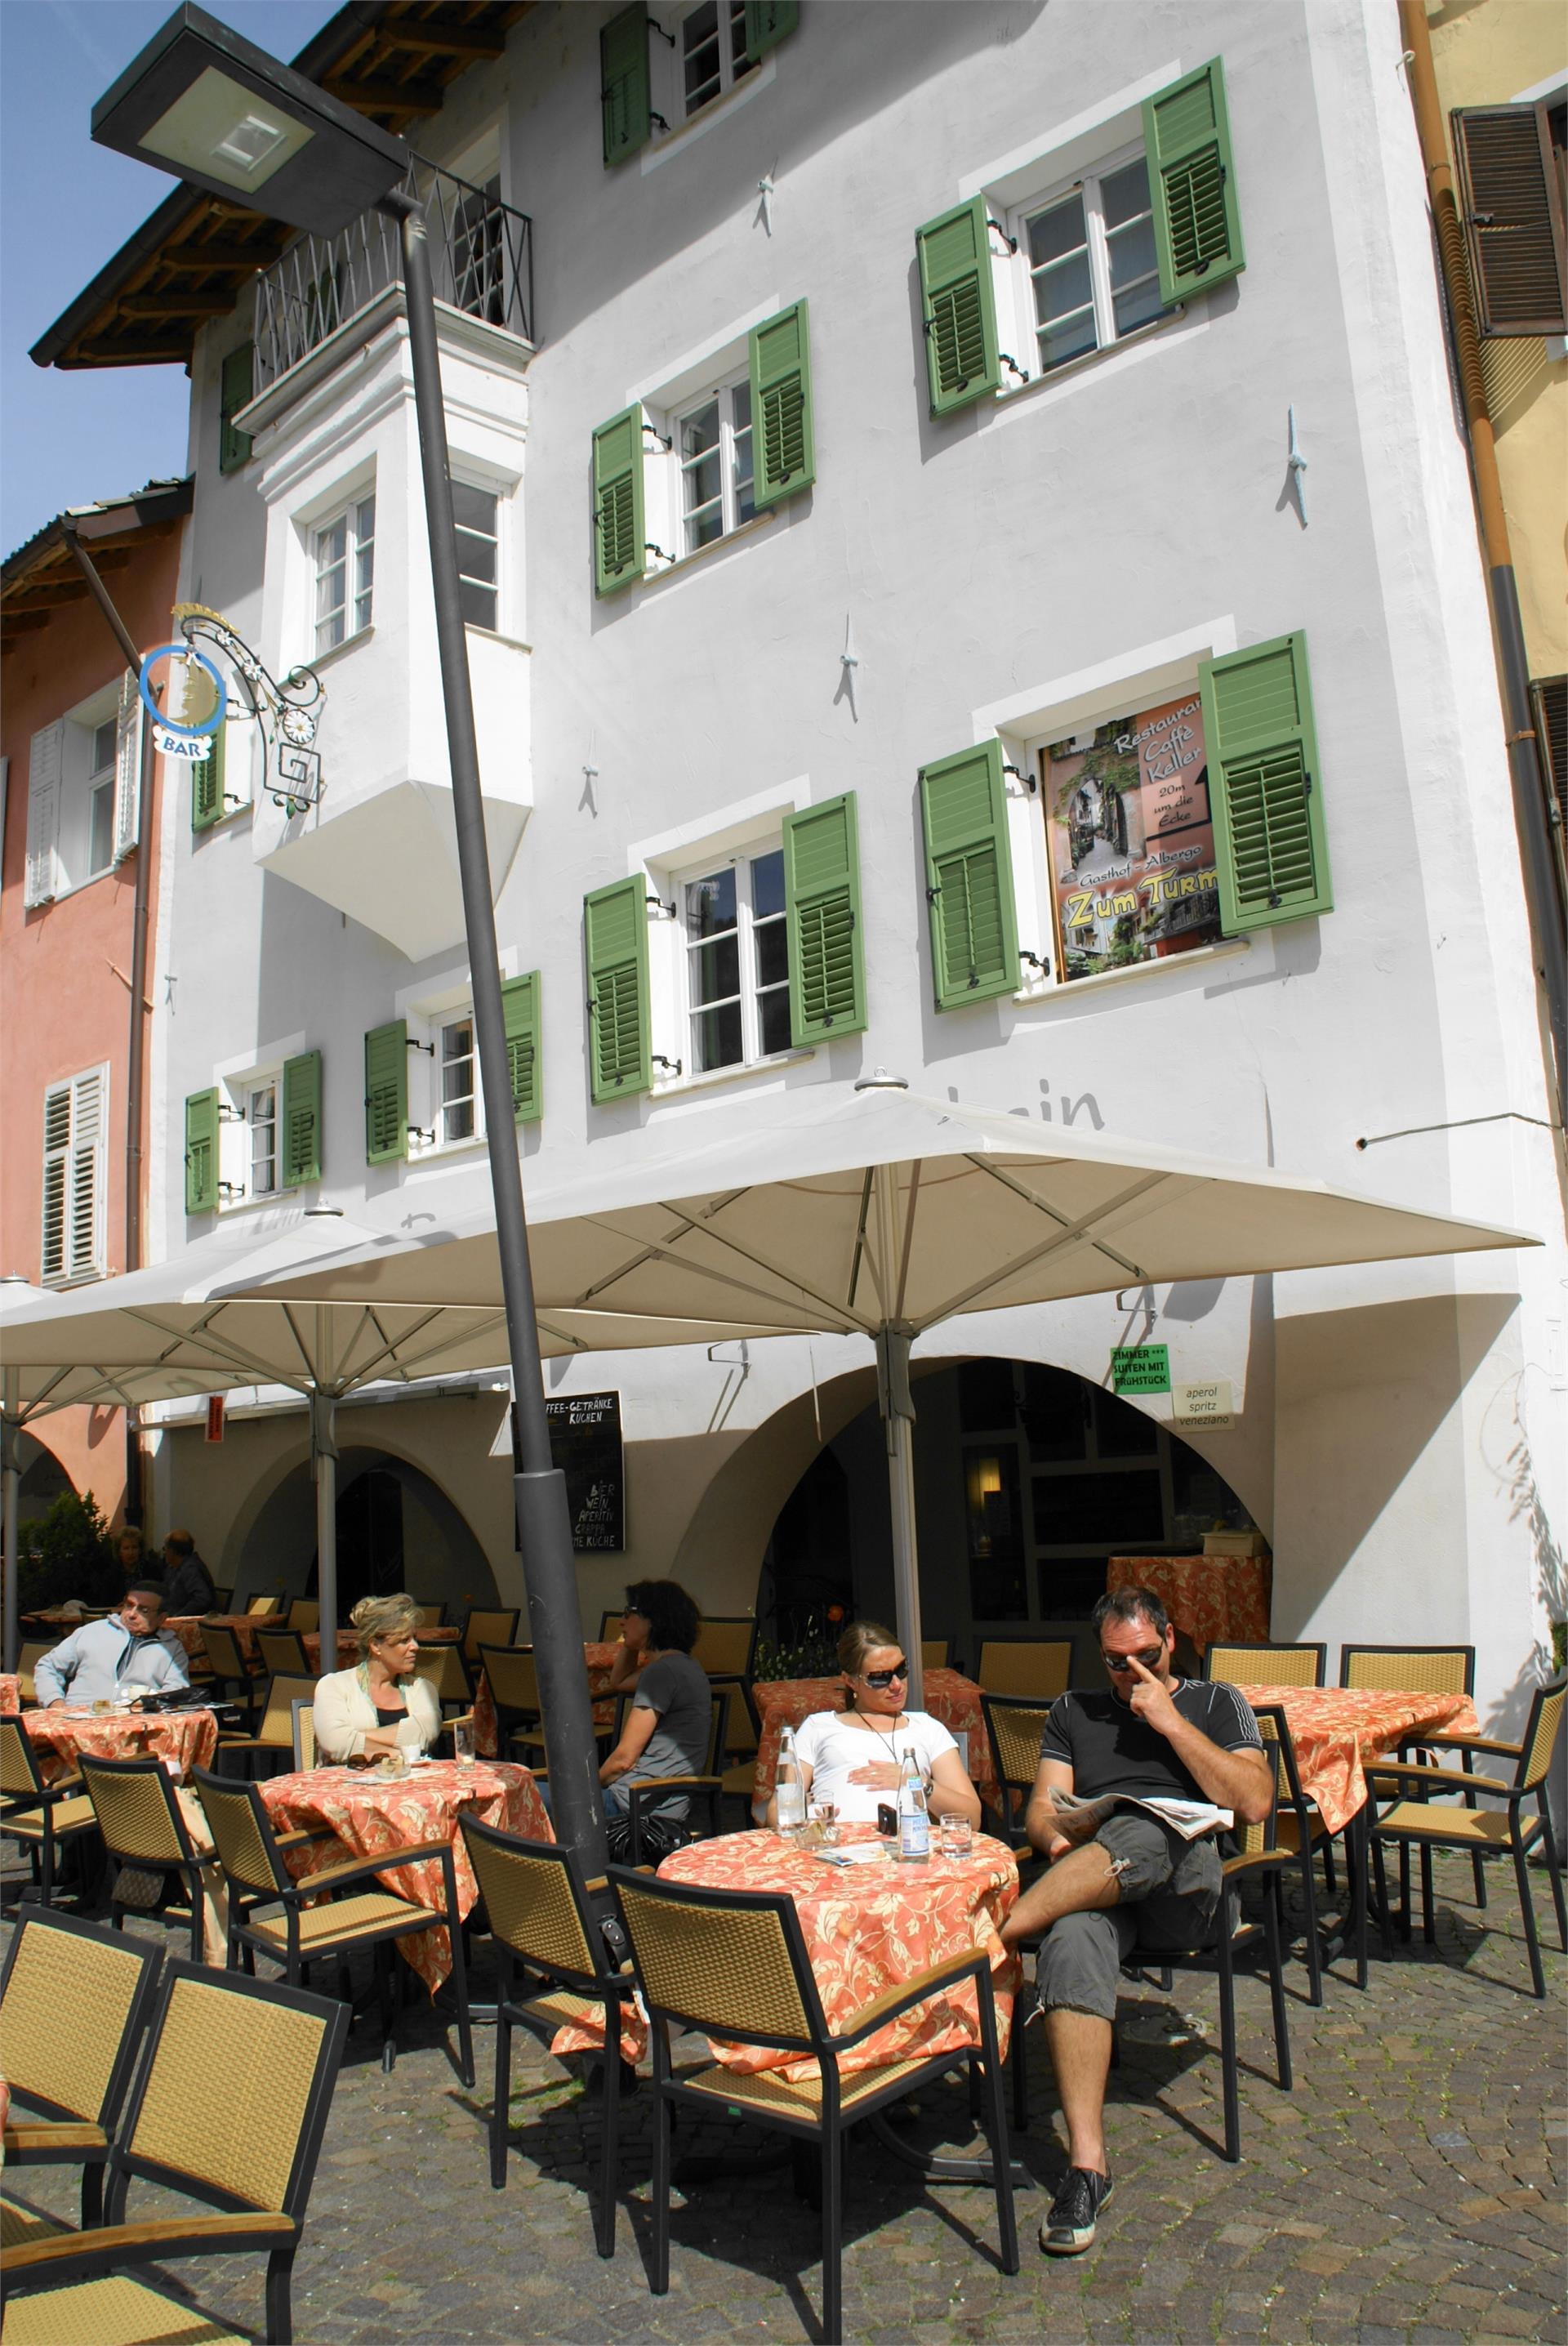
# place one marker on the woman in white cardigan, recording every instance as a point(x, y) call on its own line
point(372, 1709)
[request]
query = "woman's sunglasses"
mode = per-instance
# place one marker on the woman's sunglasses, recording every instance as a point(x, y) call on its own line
point(881, 1678)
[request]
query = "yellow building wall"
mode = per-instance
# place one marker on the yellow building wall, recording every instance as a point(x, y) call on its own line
point(1485, 52)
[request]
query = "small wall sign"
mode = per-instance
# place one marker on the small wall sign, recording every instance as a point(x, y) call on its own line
point(1140, 1368)
point(1206, 1404)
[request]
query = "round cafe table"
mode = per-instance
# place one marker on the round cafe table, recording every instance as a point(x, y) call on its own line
point(867, 1929)
point(948, 1696)
point(10, 1691)
point(188, 1738)
point(1335, 1730)
point(373, 1815)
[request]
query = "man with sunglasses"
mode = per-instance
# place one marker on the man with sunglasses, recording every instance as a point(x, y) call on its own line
point(1132, 1881)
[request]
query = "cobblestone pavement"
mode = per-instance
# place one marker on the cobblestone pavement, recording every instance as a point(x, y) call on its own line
point(1408, 2189)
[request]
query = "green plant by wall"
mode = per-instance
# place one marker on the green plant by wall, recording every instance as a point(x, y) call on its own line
point(70, 1555)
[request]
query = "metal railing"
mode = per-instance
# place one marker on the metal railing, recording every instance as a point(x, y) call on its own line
point(482, 253)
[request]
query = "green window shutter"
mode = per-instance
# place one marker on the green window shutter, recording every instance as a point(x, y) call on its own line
point(302, 1139)
point(237, 389)
point(207, 786)
point(969, 877)
point(783, 443)
point(822, 907)
point(386, 1092)
point(769, 21)
point(623, 83)
point(618, 526)
point(201, 1152)
point(520, 1010)
point(616, 923)
point(1264, 786)
point(1198, 224)
point(959, 307)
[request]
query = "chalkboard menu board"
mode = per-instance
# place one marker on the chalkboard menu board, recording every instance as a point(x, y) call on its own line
point(585, 1443)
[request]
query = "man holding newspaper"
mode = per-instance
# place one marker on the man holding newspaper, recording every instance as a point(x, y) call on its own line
point(1134, 1784)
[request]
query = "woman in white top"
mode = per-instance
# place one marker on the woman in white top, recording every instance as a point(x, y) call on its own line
point(853, 1757)
point(371, 1710)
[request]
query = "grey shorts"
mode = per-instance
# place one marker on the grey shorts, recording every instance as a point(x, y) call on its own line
point(1169, 1898)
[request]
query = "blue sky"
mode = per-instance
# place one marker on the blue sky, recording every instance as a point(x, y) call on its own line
point(65, 207)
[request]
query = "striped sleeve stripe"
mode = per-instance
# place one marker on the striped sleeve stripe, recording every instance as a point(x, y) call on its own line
point(1246, 1722)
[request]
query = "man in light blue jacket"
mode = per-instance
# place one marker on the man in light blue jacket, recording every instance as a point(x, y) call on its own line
point(98, 1661)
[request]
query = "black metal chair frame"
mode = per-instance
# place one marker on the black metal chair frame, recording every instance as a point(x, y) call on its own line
point(670, 2090)
point(77, 2256)
point(1013, 1832)
point(57, 2141)
point(46, 1798)
point(1312, 1836)
point(523, 1725)
point(604, 1987)
point(244, 1897)
point(299, 1660)
point(644, 1799)
point(515, 1612)
point(188, 1865)
point(1421, 1747)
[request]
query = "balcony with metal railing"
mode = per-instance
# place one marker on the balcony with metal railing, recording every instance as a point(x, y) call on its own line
point(481, 255)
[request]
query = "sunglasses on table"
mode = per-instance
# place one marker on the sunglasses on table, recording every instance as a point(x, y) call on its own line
point(1151, 1658)
point(883, 1678)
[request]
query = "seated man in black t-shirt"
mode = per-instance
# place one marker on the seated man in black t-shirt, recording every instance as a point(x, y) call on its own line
point(1133, 1880)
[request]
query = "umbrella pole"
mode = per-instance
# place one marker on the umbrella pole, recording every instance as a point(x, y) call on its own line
point(893, 1339)
point(9, 1430)
point(324, 1467)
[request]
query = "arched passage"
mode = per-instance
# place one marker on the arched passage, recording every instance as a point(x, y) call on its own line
point(396, 1529)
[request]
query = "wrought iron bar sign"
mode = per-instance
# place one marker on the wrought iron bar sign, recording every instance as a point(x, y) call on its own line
point(289, 713)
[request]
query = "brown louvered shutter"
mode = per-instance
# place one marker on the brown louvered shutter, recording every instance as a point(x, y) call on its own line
point(1512, 218)
point(1551, 698)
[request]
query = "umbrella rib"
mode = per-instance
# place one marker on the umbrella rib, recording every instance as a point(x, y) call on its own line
point(1068, 1234)
point(857, 1257)
point(224, 1353)
point(908, 1247)
point(392, 1346)
point(662, 1253)
point(451, 1336)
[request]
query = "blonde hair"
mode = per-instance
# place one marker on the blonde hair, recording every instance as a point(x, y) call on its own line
point(861, 1638)
point(382, 1616)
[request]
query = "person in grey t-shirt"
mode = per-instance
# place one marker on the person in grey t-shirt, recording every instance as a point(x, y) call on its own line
point(665, 1729)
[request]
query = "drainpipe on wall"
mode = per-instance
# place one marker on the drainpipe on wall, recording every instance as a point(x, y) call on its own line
point(1525, 762)
point(136, 1057)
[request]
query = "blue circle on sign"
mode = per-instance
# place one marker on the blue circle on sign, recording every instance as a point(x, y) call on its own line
point(186, 732)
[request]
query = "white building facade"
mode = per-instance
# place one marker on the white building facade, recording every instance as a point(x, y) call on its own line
point(901, 639)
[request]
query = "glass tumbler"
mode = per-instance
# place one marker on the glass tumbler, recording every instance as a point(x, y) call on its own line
point(957, 1838)
point(463, 1739)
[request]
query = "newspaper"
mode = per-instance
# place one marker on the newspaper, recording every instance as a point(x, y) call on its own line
point(1191, 1818)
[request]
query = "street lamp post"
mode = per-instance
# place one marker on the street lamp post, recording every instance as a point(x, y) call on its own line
point(225, 115)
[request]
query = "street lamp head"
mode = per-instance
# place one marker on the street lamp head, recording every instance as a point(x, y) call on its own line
point(222, 114)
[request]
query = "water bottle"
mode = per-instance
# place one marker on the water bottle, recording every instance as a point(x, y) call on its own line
point(789, 1788)
point(914, 1823)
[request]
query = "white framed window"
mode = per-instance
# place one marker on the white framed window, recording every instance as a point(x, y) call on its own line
point(101, 780)
point(477, 515)
point(344, 549)
point(459, 1114)
point(713, 59)
point(260, 1115)
point(1085, 271)
point(76, 1116)
point(736, 959)
point(712, 453)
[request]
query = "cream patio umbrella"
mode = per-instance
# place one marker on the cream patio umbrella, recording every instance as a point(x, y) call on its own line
point(884, 1213)
point(179, 1328)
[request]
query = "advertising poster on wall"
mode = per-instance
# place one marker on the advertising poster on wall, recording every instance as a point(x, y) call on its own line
point(1130, 839)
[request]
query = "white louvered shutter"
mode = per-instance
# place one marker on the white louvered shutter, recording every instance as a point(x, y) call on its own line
point(74, 1189)
point(56, 1178)
point(44, 815)
point(128, 720)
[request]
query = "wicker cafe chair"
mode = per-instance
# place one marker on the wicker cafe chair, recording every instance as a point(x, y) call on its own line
point(143, 1828)
point(726, 1647)
point(429, 1615)
point(1266, 1665)
point(251, 1856)
point(644, 1799)
point(228, 1665)
point(447, 1672)
point(555, 1971)
point(1428, 1822)
point(222, 1600)
point(273, 1740)
point(75, 2075)
point(27, 1661)
point(1301, 1833)
point(303, 1715)
point(733, 1965)
point(262, 1605)
point(1038, 1668)
point(936, 1653)
point(610, 1626)
point(514, 1690)
point(230, 2106)
point(498, 1627)
point(282, 1654)
point(43, 1817)
point(1014, 1728)
point(304, 1614)
point(1418, 1669)
point(1260, 1857)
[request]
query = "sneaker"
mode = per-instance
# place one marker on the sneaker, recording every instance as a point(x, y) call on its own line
point(1074, 2215)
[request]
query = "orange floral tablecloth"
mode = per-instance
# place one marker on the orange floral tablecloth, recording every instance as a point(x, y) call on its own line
point(189, 1736)
point(1216, 1599)
point(373, 1815)
point(866, 1929)
point(1334, 1729)
point(10, 1691)
point(597, 1659)
point(948, 1696)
